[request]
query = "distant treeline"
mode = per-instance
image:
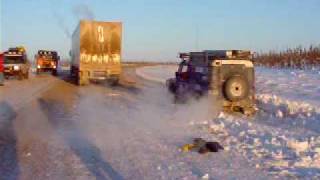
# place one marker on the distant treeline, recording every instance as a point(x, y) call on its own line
point(302, 58)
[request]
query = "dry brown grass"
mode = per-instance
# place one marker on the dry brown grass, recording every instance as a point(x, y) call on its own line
point(294, 58)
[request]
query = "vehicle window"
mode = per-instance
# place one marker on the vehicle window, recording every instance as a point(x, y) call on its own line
point(184, 68)
point(13, 59)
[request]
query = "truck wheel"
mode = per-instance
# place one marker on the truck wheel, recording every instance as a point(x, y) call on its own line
point(115, 82)
point(180, 95)
point(172, 87)
point(236, 88)
point(26, 76)
point(54, 73)
point(20, 76)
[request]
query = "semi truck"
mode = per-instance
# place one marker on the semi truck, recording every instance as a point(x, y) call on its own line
point(47, 61)
point(96, 52)
point(226, 74)
point(16, 63)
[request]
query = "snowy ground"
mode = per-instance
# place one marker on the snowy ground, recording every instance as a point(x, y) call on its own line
point(52, 129)
point(283, 138)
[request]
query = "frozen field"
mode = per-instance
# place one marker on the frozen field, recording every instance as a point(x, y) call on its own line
point(283, 138)
point(52, 129)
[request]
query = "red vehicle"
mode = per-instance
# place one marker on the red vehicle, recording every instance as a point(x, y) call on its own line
point(1, 69)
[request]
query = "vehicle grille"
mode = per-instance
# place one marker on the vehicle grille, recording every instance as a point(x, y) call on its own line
point(99, 74)
point(10, 68)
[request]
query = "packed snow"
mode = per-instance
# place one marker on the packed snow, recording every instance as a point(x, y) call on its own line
point(283, 137)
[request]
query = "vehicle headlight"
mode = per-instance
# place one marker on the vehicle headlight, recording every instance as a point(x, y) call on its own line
point(16, 68)
point(38, 66)
point(54, 67)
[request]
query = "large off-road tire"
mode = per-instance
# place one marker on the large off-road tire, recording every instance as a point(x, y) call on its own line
point(236, 88)
point(20, 76)
point(114, 81)
point(172, 87)
point(26, 75)
point(54, 72)
point(180, 95)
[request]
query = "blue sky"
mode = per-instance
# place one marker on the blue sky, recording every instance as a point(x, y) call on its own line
point(159, 29)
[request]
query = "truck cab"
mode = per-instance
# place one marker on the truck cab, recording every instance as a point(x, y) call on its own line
point(47, 61)
point(16, 63)
point(226, 74)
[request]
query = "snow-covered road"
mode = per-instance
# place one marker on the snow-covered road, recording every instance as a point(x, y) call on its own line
point(283, 138)
point(52, 129)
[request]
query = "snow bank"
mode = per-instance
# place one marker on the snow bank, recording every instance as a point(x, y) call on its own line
point(283, 138)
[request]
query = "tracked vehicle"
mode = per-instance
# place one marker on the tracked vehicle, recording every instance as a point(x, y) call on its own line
point(226, 74)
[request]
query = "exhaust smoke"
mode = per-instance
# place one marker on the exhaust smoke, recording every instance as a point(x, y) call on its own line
point(62, 24)
point(82, 11)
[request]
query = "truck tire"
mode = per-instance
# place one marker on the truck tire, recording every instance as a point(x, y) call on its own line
point(115, 81)
point(180, 95)
point(20, 76)
point(54, 72)
point(26, 75)
point(236, 88)
point(172, 87)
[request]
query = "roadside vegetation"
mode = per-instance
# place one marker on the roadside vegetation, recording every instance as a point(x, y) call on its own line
point(299, 58)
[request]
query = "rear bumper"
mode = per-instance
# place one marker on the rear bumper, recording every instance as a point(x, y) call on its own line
point(11, 72)
point(106, 77)
point(46, 69)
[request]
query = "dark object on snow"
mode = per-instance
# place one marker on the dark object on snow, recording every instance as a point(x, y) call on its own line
point(214, 146)
point(205, 147)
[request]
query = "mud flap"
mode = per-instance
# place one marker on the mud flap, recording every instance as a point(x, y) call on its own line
point(83, 78)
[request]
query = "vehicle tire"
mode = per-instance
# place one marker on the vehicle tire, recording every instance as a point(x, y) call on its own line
point(172, 87)
point(115, 82)
point(71, 71)
point(54, 73)
point(26, 75)
point(236, 88)
point(20, 76)
point(180, 95)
